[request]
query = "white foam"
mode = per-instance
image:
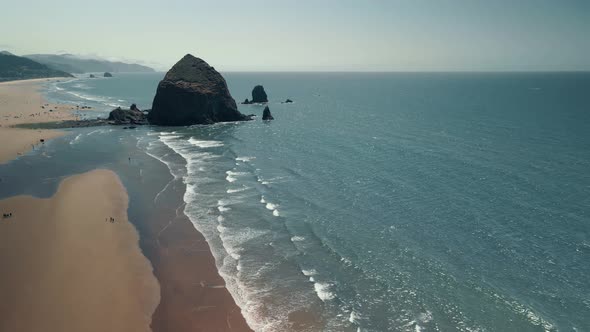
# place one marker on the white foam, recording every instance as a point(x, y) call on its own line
point(297, 238)
point(205, 144)
point(245, 159)
point(232, 176)
point(236, 190)
point(262, 200)
point(76, 140)
point(275, 213)
point(271, 206)
point(354, 317)
point(322, 289)
point(222, 208)
point(310, 272)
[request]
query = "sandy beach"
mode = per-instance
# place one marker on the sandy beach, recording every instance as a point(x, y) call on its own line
point(22, 102)
point(67, 267)
point(193, 294)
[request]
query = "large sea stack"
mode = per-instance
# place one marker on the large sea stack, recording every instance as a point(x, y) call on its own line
point(192, 92)
point(259, 95)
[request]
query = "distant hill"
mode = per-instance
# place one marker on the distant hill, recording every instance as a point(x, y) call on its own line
point(74, 64)
point(14, 67)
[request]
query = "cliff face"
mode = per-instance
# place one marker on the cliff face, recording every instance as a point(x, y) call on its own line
point(192, 92)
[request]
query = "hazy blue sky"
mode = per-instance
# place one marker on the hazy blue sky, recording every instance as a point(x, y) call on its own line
point(310, 35)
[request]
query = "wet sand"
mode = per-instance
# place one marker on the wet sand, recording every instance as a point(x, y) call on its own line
point(22, 102)
point(193, 294)
point(66, 268)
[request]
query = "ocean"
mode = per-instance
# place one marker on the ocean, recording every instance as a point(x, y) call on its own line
point(374, 202)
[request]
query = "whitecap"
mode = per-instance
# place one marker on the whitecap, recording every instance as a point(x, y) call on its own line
point(354, 317)
point(275, 213)
point(204, 144)
point(309, 272)
point(237, 190)
point(297, 238)
point(245, 159)
point(76, 139)
point(322, 289)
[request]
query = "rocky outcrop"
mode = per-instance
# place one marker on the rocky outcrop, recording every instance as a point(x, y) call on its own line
point(192, 92)
point(133, 115)
point(288, 101)
point(259, 95)
point(266, 114)
point(92, 76)
point(107, 74)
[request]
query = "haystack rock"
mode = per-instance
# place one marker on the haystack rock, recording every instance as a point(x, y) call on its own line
point(192, 92)
point(107, 74)
point(259, 95)
point(266, 114)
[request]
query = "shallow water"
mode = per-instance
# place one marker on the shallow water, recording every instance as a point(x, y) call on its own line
point(375, 202)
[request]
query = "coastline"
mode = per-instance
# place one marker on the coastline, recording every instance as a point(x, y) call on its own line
point(22, 102)
point(68, 268)
point(193, 294)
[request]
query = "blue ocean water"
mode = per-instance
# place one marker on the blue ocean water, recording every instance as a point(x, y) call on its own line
point(383, 201)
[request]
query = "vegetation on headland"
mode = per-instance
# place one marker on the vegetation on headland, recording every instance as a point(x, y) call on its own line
point(14, 67)
point(75, 64)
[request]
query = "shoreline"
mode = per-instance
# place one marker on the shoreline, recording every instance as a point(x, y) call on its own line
point(63, 257)
point(22, 102)
point(193, 294)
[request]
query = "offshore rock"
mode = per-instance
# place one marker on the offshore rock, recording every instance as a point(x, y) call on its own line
point(192, 92)
point(132, 115)
point(259, 95)
point(266, 114)
point(107, 74)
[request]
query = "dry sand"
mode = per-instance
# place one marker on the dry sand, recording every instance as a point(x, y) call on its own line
point(66, 268)
point(21, 102)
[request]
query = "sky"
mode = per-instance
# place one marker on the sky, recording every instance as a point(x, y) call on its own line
point(320, 35)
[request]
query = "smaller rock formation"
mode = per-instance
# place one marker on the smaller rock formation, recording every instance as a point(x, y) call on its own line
point(266, 114)
point(92, 76)
point(107, 74)
point(132, 115)
point(288, 101)
point(259, 95)
point(246, 101)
